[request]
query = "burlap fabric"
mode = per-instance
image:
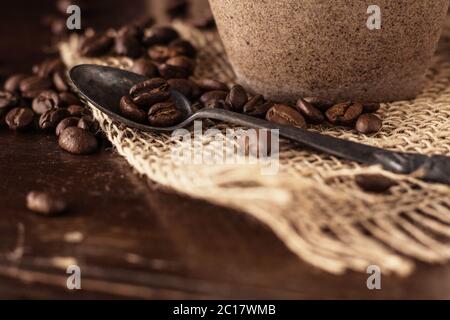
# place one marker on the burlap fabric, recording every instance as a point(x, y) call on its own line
point(313, 204)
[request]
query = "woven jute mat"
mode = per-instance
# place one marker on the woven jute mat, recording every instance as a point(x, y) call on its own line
point(313, 204)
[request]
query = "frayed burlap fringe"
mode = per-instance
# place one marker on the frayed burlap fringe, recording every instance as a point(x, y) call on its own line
point(313, 204)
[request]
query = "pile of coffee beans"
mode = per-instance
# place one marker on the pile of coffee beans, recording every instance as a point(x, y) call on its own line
point(42, 101)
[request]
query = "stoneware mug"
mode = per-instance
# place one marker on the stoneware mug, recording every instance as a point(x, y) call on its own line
point(376, 50)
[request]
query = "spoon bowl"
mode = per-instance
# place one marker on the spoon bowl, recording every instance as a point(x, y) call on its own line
point(104, 86)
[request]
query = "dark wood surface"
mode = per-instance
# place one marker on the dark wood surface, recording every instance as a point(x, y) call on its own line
point(133, 239)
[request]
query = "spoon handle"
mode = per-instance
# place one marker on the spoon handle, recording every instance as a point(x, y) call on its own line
point(434, 169)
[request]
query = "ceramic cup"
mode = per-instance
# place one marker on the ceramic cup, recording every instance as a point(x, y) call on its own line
point(284, 49)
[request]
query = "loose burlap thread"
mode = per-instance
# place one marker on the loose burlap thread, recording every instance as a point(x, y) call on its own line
point(313, 204)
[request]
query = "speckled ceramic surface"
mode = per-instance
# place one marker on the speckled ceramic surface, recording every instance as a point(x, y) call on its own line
point(290, 48)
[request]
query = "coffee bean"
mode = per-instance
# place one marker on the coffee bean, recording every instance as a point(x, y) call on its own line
point(127, 43)
point(164, 114)
point(48, 67)
point(96, 45)
point(375, 183)
point(371, 107)
point(368, 123)
point(147, 86)
point(34, 84)
point(176, 8)
point(66, 123)
point(344, 113)
point(59, 81)
point(58, 26)
point(45, 204)
point(145, 67)
point(8, 99)
point(76, 110)
point(160, 54)
point(237, 98)
point(19, 118)
point(182, 62)
point(186, 87)
point(147, 93)
point(181, 47)
point(45, 101)
point(311, 113)
point(211, 85)
point(12, 84)
point(285, 115)
point(257, 107)
point(77, 141)
point(168, 71)
point(131, 111)
point(89, 124)
point(320, 103)
point(50, 119)
point(67, 99)
point(202, 22)
point(160, 35)
point(217, 104)
point(212, 96)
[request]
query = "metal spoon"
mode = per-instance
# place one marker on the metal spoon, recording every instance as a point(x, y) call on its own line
point(104, 86)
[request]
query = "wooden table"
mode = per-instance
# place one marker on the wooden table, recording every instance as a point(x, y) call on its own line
point(133, 239)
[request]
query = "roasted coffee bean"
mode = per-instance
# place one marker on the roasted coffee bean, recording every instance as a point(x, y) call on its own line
point(19, 118)
point(66, 123)
point(211, 85)
point(12, 84)
point(168, 71)
point(215, 95)
point(181, 47)
point(257, 107)
point(45, 204)
point(160, 35)
point(131, 111)
point(160, 54)
point(368, 123)
point(176, 8)
point(311, 113)
point(145, 67)
point(186, 87)
point(320, 103)
point(217, 104)
point(34, 84)
point(182, 62)
point(285, 115)
point(127, 43)
point(202, 22)
point(344, 113)
point(77, 141)
point(49, 120)
point(48, 67)
point(45, 101)
point(237, 98)
point(67, 99)
point(147, 86)
point(58, 26)
point(164, 114)
point(8, 99)
point(59, 81)
point(149, 92)
point(76, 110)
point(89, 124)
point(375, 183)
point(371, 107)
point(96, 45)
